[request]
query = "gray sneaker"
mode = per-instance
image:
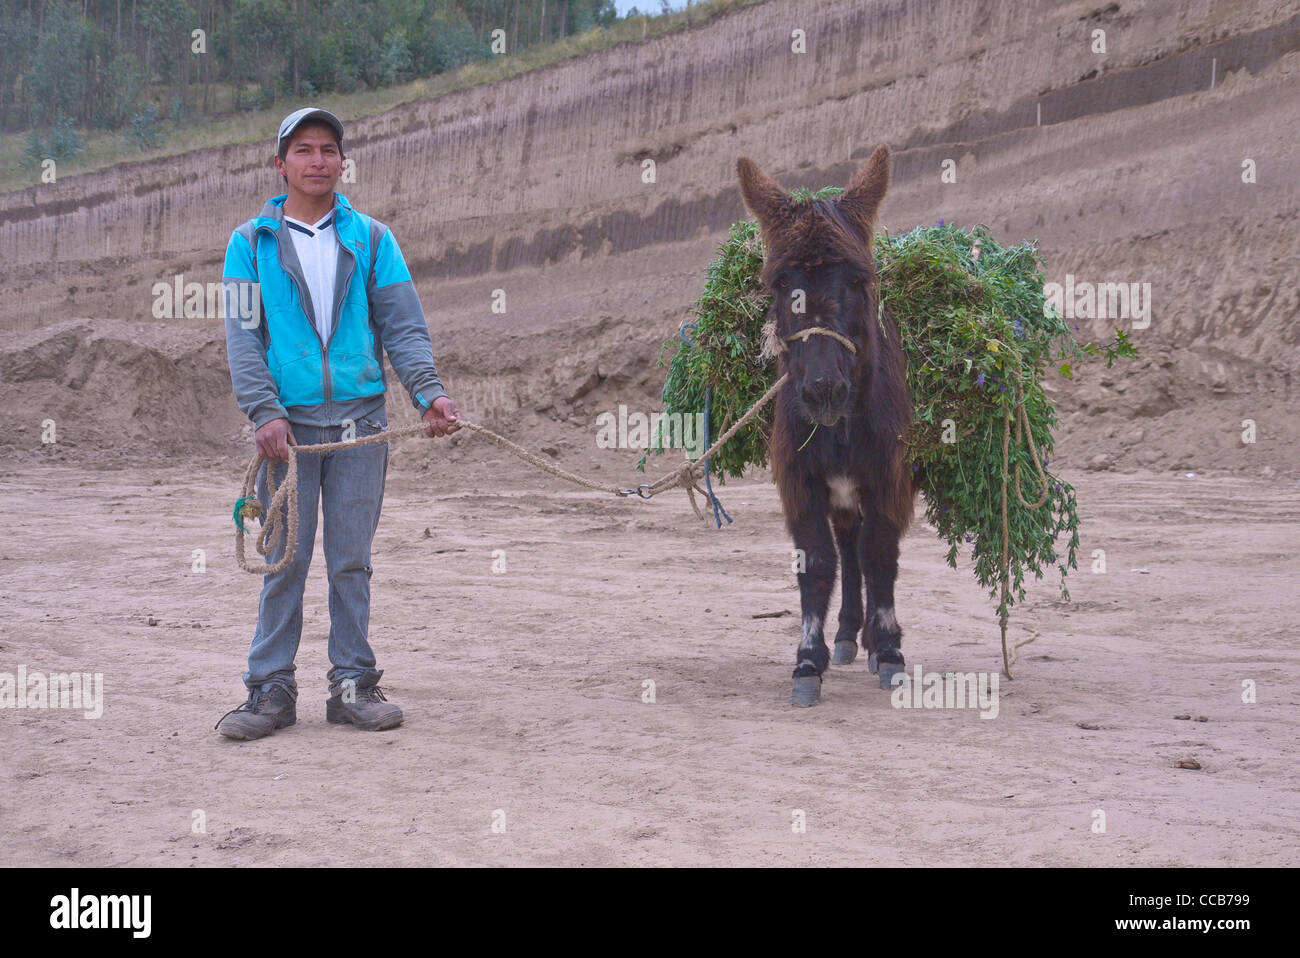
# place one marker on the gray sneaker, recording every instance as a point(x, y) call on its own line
point(262, 714)
point(370, 710)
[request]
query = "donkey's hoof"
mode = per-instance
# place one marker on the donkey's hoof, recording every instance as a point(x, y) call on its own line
point(892, 674)
point(807, 691)
point(845, 653)
point(872, 663)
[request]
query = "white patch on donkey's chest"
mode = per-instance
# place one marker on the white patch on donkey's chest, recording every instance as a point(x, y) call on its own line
point(844, 494)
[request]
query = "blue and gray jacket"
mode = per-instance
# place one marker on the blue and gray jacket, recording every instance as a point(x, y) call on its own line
point(279, 367)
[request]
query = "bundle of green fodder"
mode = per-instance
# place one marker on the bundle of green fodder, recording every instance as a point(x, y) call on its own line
point(978, 340)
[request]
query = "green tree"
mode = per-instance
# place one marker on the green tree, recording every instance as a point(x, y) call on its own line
point(54, 78)
point(259, 47)
point(125, 88)
point(145, 130)
point(167, 25)
point(17, 39)
point(395, 60)
point(62, 143)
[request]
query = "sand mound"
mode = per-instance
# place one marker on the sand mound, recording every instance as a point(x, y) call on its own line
point(114, 387)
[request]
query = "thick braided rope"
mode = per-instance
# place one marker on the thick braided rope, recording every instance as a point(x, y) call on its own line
point(284, 495)
point(807, 331)
point(692, 471)
point(1022, 423)
point(773, 346)
point(538, 461)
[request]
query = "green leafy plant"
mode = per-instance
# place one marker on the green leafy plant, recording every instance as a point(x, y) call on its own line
point(63, 142)
point(978, 339)
point(146, 129)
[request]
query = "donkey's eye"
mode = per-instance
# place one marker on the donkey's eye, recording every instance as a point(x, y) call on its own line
point(783, 281)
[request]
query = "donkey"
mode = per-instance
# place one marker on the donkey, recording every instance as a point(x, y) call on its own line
point(837, 448)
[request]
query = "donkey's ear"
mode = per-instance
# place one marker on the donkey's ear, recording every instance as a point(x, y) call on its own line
point(762, 194)
point(861, 199)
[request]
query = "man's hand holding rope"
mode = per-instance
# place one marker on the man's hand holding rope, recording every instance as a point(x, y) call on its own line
point(442, 418)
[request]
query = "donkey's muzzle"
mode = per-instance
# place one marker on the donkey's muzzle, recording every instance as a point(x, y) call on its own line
point(825, 399)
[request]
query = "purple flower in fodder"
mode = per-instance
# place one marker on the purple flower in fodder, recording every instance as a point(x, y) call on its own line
point(969, 537)
point(1076, 327)
point(979, 380)
point(1020, 328)
point(1002, 389)
point(938, 222)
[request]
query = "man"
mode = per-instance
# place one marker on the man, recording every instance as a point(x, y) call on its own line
point(334, 294)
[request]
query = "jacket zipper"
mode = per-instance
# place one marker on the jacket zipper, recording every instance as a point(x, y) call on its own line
point(338, 306)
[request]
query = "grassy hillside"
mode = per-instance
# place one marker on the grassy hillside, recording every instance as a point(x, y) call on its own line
point(106, 149)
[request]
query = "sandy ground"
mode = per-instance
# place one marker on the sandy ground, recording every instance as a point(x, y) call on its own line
point(523, 691)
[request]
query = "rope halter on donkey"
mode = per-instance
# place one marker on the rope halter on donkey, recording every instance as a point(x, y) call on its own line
point(772, 346)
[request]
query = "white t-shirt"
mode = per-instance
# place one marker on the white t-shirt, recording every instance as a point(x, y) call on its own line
point(318, 252)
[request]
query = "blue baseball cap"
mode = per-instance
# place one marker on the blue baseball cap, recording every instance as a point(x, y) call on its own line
point(298, 117)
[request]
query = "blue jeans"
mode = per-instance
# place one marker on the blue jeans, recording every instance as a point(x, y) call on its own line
point(349, 486)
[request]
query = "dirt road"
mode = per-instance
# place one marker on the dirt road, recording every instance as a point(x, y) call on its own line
point(524, 690)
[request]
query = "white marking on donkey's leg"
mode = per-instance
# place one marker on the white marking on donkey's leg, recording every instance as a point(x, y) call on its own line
point(884, 620)
point(844, 494)
point(884, 623)
point(807, 688)
point(812, 632)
